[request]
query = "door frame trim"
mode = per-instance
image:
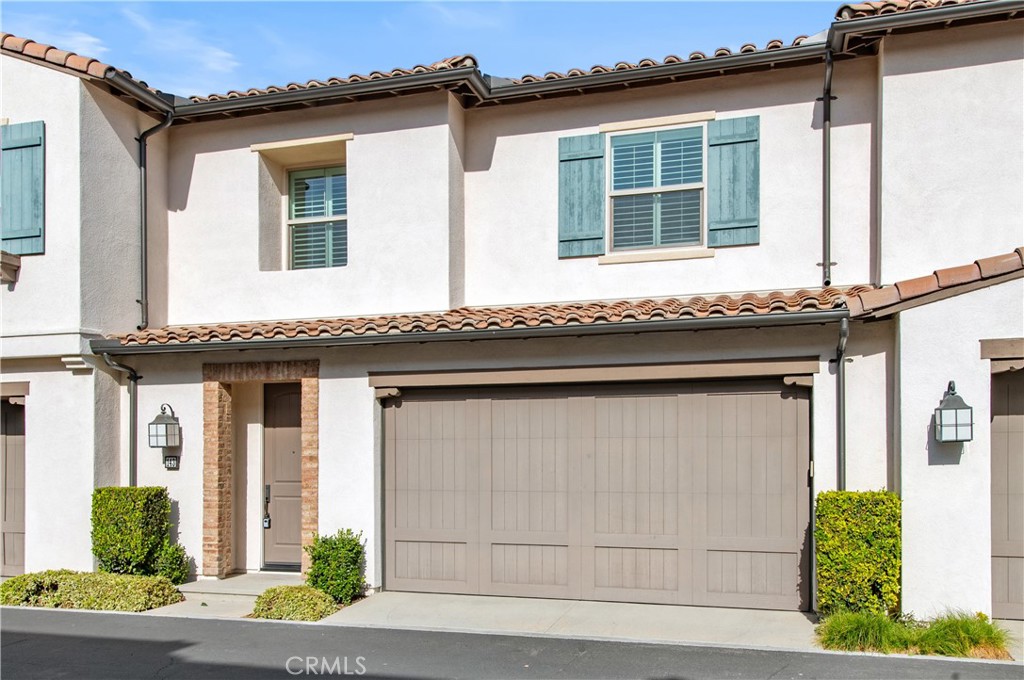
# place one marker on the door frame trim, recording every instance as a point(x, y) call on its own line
point(631, 373)
point(218, 453)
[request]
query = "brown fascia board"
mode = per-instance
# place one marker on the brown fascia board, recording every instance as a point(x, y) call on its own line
point(877, 26)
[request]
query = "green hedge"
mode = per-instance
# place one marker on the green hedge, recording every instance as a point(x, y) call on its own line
point(859, 552)
point(337, 565)
point(293, 603)
point(130, 533)
point(64, 589)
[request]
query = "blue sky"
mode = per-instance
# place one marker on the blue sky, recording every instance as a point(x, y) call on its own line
point(204, 47)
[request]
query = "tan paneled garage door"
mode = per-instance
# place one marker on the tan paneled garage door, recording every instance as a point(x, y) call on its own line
point(682, 493)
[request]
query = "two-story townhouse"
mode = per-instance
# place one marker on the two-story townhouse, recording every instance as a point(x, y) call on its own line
point(601, 334)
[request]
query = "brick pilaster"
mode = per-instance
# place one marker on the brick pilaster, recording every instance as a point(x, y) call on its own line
point(310, 463)
point(217, 455)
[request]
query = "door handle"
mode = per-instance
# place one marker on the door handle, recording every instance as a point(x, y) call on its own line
point(266, 506)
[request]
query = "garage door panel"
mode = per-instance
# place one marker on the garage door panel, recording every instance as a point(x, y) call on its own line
point(632, 493)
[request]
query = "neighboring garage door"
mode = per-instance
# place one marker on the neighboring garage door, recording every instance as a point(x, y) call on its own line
point(683, 493)
point(1008, 495)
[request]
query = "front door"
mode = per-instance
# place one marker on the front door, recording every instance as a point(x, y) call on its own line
point(282, 476)
point(12, 468)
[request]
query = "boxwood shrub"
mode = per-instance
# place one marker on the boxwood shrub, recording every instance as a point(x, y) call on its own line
point(858, 552)
point(64, 589)
point(131, 533)
point(337, 565)
point(293, 603)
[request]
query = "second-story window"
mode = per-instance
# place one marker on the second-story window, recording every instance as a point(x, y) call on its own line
point(317, 218)
point(656, 188)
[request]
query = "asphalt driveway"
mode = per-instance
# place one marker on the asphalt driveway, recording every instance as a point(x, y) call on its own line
point(67, 644)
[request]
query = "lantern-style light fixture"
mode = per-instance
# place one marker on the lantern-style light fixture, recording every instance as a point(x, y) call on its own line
point(954, 419)
point(165, 433)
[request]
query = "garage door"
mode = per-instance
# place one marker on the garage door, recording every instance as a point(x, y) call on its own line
point(682, 493)
point(1008, 495)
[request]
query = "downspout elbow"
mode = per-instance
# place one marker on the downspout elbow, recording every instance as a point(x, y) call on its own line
point(143, 300)
point(133, 415)
point(844, 335)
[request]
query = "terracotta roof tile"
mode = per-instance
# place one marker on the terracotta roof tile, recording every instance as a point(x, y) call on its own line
point(873, 8)
point(648, 62)
point(875, 301)
point(462, 61)
point(953, 276)
point(496, 318)
point(52, 55)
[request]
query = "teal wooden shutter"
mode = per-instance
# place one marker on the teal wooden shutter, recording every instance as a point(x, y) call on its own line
point(581, 196)
point(21, 187)
point(734, 179)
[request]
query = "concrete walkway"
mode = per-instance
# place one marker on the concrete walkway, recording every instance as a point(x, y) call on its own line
point(228, 598)
point(577, 619)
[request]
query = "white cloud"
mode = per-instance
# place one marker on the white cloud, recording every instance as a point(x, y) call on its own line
point(44, 29)
point(193, 61)
point(456, 16)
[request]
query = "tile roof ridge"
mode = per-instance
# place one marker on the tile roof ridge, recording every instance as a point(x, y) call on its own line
point(876, 300)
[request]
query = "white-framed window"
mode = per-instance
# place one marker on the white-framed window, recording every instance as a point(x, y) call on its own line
point(656, 188)
point(318, 218)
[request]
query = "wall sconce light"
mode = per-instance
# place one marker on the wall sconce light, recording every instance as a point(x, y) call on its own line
point(954, 419)
point(165, 433)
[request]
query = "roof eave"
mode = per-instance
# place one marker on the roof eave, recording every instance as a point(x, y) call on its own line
point(468, 76)
point(116, 348)
point(678, 71)
point(843, 29)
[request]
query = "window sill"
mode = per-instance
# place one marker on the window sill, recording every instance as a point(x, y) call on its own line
point(655, 256)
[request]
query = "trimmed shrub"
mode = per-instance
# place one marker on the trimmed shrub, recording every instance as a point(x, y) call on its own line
point(858, 552)
point(131, 533)
point(337, 564)
point(64, 589)
point(293, 603)
point(172, 563)
point(129, 527)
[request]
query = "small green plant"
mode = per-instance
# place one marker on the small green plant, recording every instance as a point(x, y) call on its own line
point(172, 563)
point(131, 533)
point(64, 589)
point(859, 550)
point(864, 632)
point(953, 634)
point(337, 565)
point(964, 634)
point(293, 603)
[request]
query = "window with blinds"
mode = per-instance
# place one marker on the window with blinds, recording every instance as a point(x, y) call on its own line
point(317, 218)
point(657, 182)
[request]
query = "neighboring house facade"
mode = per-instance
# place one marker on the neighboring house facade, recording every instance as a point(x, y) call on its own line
point(594, 335)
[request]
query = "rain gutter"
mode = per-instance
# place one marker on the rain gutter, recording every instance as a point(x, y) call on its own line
point(115, 348)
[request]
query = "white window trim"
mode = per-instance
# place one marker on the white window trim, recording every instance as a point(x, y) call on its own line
point(614, 256)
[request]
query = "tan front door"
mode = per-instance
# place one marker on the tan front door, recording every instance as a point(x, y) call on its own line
point(1008, 495)
point(682, 493)
point(12, 467)
point(282, 476)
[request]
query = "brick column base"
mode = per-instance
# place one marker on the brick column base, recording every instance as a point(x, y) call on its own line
point(217, 455)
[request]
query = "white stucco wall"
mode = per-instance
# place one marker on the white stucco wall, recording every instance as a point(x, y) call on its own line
point(42, 310)
point(952, 152)
point(947, 539)
point(65, 420)
point(398, 224)
point(512, 191)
